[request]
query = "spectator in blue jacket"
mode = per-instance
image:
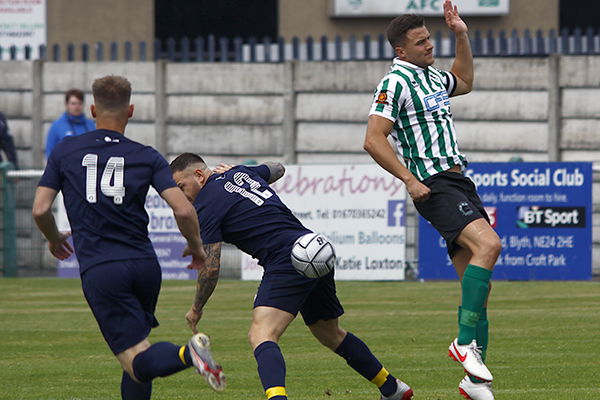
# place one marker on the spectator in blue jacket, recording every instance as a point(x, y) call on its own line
point(7, 144)
point(72, 122)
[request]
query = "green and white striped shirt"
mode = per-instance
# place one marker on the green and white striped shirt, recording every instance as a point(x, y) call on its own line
point(417, 101)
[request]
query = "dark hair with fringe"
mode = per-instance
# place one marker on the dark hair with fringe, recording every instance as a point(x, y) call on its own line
point(397, 29)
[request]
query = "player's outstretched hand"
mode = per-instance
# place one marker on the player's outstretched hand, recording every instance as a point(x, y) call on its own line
point(61, 248)
point(222, 168)
point(192, 318)
point(454, 22)
point(198, 257)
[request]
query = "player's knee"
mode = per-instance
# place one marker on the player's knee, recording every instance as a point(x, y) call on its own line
point(259, 334)
point(493, 247)
point(489, 248)
point(329, 336)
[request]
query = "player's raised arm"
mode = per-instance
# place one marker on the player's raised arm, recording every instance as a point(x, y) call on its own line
point(462, 67)
point(42, 214)
point(187, 221)
point(206, 283)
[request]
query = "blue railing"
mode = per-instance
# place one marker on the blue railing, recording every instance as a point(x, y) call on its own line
point(213, 49)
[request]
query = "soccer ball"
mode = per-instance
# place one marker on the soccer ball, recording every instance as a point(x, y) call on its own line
point(313, 255)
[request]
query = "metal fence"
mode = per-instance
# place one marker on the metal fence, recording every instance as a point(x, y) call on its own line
point(223, 49)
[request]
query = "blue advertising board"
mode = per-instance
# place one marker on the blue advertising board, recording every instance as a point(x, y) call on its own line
point(542, 213)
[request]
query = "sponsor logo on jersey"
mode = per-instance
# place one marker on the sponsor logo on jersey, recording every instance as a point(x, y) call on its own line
point(550, 217)
point(436, 100)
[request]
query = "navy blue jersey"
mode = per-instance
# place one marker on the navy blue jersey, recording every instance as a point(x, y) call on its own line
point(240, 208)
point(104, 177)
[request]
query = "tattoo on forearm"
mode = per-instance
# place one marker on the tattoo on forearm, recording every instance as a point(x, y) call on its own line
point(208, 276)
point(277, 170)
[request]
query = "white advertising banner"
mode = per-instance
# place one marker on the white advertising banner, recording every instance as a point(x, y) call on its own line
point(392, 8)
point(22, 22)
point(361, 208)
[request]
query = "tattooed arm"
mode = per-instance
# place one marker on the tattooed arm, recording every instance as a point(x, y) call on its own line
point(277, 170)
point(207, 281)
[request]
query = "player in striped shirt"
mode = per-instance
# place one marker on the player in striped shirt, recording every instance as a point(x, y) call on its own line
point(412, 103)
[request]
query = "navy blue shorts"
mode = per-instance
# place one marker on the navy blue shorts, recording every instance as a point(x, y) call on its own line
point(122, 295)
point(282, 287)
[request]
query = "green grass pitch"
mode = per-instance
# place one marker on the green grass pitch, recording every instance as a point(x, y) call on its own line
point(544, 342)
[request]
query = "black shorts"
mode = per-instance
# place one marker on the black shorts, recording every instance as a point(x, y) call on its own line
point(282, 287)
point(123, 295)
point(452, 205)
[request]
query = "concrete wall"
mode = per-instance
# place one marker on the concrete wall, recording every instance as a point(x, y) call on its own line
point(540, 109)
point(530, 14)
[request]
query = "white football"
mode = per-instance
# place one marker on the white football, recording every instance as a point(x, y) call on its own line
point(313, 255)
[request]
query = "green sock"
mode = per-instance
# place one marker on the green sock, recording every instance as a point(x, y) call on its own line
point(482, 333)
point(482, 338)
point(475, 285)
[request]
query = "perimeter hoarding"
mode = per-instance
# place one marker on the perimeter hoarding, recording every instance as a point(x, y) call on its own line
point(361, 208)
point(162, 228)
point(542, 213)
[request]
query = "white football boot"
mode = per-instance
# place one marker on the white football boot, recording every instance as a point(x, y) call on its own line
point(212, 372)
point(475, 391)
point(403, 392)
point(469, 356)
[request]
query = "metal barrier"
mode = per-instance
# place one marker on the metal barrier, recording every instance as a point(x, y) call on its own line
point(9, 237)
point(23, 247)
point(224, 49)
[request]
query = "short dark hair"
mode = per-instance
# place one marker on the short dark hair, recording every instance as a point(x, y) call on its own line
point(397, 29)
point(185, 160)
point(111, 92)
point(78, 94)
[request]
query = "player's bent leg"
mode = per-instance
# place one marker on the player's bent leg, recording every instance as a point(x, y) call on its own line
point(131, 387)
point(126, 357)
point(358, 356)
point(328, 333)
point(268, 324)
point(482, 241)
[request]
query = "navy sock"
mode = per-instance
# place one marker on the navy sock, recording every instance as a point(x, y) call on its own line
point(161, 359)
point(359, 357)
point(131, 390)
point(271, 370)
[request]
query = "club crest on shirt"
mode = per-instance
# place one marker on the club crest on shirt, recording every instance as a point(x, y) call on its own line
point(465, 209)
point(382, 98)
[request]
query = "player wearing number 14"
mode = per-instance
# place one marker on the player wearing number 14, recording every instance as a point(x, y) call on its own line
point(104, 178)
